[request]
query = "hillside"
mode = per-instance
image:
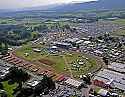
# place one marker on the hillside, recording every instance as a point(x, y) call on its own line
point(101, 4)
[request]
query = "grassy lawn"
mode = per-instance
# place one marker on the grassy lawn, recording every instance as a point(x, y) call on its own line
point(34, 56)
point(7, 21)
point(29, 49)
point(73, 96)
point(120, 21)
point(90, 64)
point(97, 89)
point(9, 88)
point(120, 32)
point(60, 65)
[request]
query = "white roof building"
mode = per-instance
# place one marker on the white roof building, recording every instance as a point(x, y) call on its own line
point(73, 82)
point(87, 42)
point(54, 47)
point(33, 82)
point(108, 76)
point(117, 67)
point(80, 41)
point(98, 52)
point(73, 40)
point(37, 50)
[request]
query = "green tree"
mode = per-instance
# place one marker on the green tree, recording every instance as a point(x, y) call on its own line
point(34, 35)
point(44, 86)
point(1, 85)
point(18, 75)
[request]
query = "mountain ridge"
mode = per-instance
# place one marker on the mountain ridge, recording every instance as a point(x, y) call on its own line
point(74, 7)
point(100, 4)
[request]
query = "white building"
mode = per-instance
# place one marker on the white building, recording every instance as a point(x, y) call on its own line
point(74, 83)
point(108, 76)
point(117, 67)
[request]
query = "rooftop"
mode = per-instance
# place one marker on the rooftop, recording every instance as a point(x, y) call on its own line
point(73, 82)
point(108, 75)
point(117, 67)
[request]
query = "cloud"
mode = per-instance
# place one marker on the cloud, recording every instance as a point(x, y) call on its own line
point(5, 4)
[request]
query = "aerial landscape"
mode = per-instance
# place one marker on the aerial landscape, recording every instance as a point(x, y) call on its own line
point(62, 48)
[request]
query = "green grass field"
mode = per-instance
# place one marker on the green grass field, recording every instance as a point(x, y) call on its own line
point(62, 62)
point(7, 21)
point(119, 33)
point(119, 21)
point(9, 88)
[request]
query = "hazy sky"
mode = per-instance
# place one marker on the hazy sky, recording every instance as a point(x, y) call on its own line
point(5, 4)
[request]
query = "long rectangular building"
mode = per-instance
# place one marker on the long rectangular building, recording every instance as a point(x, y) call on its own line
point(74, 83)
point(107, 76)
point(62, 45)
point(117, 67)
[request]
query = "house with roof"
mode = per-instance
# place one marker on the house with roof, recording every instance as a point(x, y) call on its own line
point(109, 79)
point(119, 67)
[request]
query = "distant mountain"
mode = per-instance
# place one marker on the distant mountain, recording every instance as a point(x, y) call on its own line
point(42, 8)
point(100, 4)
point(72, 7)
point(46, 7)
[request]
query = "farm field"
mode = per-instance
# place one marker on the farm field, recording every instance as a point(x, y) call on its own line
point(62, 62)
